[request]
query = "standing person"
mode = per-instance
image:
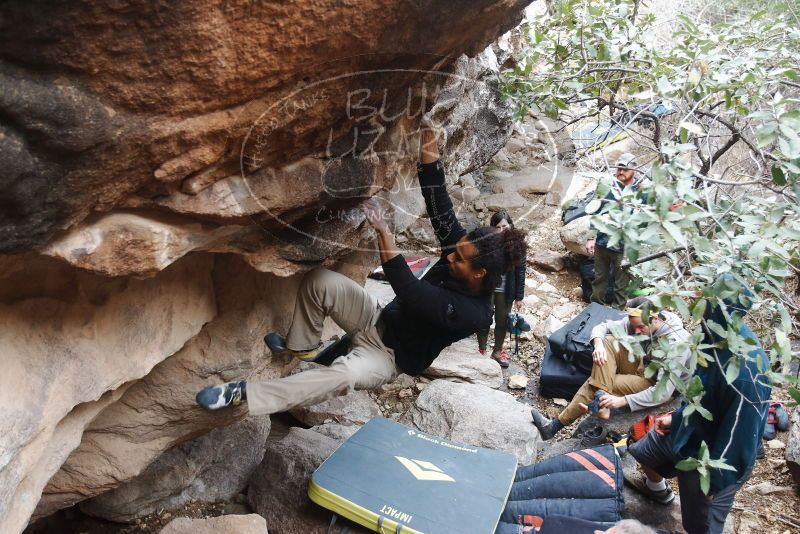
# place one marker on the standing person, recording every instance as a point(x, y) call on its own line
point(609, 275)
point(508, 292)
point(739, 413)
point(451, 302)
point(616, 380)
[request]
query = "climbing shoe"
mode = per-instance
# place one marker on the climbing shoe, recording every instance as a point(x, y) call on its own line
point(216, 397)
point(665, 496)
point(777, 419)
point(501, 358)
point(594, 406)
point(277, 345)
point(547, 427)
point(593, 434)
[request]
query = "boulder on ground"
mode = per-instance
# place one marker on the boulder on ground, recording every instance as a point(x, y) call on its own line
point(279, 487)
point(461, 362)
point(575, 235)
point(211, 468)
point(355, 408)
point(548, 260)
point(240, 524)
point(475, 415)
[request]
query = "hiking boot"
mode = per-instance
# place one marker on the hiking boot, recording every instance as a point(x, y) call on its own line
point(216, 397)
point(665, 496)
point(501, 358)
point(482, 352)
point(547, 427)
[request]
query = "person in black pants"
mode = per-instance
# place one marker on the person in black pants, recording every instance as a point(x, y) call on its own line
point(451, 302)
point(509, 292)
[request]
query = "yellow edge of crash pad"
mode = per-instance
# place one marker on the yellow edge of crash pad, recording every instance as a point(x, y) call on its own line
point(354, 512)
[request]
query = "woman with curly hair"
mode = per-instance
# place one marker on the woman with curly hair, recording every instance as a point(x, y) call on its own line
point(509, 292)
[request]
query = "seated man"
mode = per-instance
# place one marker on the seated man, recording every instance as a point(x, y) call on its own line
point(739, 413)
point(617, 381)
point(451, 302)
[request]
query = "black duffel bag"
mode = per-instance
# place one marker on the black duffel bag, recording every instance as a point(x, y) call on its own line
point(573, 341)
point(577, 209)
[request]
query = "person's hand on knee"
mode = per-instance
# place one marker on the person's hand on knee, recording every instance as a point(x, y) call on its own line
point(599, 354)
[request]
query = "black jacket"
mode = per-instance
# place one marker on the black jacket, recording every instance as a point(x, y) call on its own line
point(515, 283)
point(429, 314)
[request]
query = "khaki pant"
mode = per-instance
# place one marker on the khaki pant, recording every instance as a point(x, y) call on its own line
point(608, 270)
point(369, 364)
point(619, 376)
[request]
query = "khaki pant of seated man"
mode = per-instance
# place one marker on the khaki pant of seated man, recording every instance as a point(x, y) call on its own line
point(618, 376)
point(368, 365)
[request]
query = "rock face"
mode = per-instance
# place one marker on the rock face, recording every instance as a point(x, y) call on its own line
point(793, 447)
point(241, 524)
point(167, 172)
point(475, 415)
point(180, 100)
point(211, 468)
point(461, 362)
point(157, 412)
point(78, 342)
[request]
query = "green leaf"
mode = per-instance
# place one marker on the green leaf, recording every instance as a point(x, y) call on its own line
point(674, 232)
point(699, 309)
point(777, 176)
point(732, 371)
point(705, 482)
point(795, 394)
point(688, 464)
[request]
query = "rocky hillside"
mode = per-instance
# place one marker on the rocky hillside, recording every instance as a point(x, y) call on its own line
point(168, 172)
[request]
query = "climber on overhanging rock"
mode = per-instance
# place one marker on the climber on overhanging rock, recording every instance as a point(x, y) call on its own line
point(452, 301)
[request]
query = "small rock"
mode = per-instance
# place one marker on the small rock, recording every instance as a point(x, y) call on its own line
point(768, 488)
point(577, 292)
point(245, 524)
point(465, 194)
point(560, 402)
point(503, 201)
point(518, 382)
point(420, 386)
point(531, 300)
point(547, 287)
point(548, 260)
point(405, 393)
point(514, 145)
point(467, 180)
point(498, 174)
point(775, 444)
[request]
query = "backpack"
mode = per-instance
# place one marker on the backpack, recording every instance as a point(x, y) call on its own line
point(573, 341)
